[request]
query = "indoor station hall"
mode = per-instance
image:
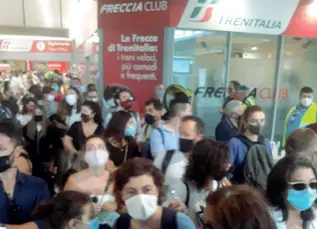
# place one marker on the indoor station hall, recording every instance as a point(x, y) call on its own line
point(158, 114)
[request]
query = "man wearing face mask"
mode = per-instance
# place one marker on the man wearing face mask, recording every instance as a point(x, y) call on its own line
point(124, 101)
point(166, 136)
point(301, 115)
point(173, 162)
point(229, 123)
point(19, 193)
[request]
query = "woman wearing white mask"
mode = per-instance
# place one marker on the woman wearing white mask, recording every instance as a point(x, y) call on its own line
point(139, 187)
point(95, 180)
point(69, 109)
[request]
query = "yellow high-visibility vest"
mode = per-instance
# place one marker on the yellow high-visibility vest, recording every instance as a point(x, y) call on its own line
point(248, 102)
point(308, 118)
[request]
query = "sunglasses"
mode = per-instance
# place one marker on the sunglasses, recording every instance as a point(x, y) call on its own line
point(207, 226)
point(299, 186)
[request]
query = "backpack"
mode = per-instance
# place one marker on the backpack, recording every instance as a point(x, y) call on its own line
point(257, 163)
point(168, 220)
point(146, 148)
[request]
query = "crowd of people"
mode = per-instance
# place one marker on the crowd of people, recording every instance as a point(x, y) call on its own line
point(70, 159)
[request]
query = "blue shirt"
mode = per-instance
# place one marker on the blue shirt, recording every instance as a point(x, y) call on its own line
point(225, 130)
point(29, 191)
point(158, 144)
point(238, 152)
point(295, 119)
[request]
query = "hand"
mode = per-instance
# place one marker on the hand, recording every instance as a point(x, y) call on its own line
point(110, 206)
point(177, 205)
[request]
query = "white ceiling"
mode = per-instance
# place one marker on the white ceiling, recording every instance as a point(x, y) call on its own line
point(37, 13)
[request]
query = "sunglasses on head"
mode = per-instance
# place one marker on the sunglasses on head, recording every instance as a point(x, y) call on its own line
point(299, 186)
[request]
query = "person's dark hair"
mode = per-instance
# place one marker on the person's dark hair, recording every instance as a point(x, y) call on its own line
point(249, 111)
point(36, 90)
point(95, 109)
point(133, 168)
point(157, 104)
point(239, 207)
point(117, 125)
point(302, 140)
point(235, 84)
point(208, 159)
point(306, 90)
point(6, 87)
point(117, 94)
point(277, 183)
point(199, 123)
point(47, 90)
point(175, 107)
point(12, 105)
point(91, 87)
point(25, 102)
point(11, 130)
point(59, 210)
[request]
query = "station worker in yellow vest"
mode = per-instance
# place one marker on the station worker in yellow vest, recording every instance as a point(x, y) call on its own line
point(301, 115)
point(241, 94)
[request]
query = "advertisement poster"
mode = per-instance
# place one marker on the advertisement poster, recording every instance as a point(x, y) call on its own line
point(134, 59)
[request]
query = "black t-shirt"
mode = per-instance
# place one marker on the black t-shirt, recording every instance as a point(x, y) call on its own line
point(76, 131)
point(117, 155)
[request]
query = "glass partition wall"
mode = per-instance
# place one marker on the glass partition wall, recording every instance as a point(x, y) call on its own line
point(199, 64)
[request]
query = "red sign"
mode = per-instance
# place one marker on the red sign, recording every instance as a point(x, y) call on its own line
point(35, 46)
point(5, 68)
point(60, 66)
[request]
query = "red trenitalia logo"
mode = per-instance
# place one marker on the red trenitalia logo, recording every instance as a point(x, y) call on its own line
point(5, 45)
point(203, 11)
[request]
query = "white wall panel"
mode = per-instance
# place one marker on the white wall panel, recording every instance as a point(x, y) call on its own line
point(11, 13)
point(42, 13)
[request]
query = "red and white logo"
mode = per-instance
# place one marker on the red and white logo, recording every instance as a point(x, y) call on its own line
point(40, 45)
point(5, 45)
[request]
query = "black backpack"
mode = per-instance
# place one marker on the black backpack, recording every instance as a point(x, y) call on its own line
point(257, 163)
point(168, 220)
point(146, 148)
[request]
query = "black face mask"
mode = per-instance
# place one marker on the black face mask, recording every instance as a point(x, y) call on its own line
point(5, 163)
point(208, 226)
point(185, 145)
point(219, 176)
point(38, 118)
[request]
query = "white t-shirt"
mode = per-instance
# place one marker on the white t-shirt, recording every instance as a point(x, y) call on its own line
point(280, 224)
point(176, 168)
point(197, 198)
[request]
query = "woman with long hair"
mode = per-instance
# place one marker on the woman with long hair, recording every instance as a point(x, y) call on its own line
point(69, 109)
point(119, 138)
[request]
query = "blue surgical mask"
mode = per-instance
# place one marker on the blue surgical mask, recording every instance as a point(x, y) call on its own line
point(55, 88)
point(303, 199)
point(94, 223)
point(130, 131)
point(82, 89)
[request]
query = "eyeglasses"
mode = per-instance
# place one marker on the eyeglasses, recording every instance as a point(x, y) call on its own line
point(299, 186)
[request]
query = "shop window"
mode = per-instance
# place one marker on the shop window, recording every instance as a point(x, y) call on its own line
point(298, 69)
point(253, 62)
point(198, 65)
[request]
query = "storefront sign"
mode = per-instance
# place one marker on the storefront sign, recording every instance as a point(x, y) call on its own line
point(149, 6)
point(260, 93)
point(35, 46)
point(60, 66)
point(5, 68)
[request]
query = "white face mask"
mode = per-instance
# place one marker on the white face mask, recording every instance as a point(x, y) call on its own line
point(50, 98)
point(306, 102)
point(97, 158)
point(142, 207)
point(71, 100)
